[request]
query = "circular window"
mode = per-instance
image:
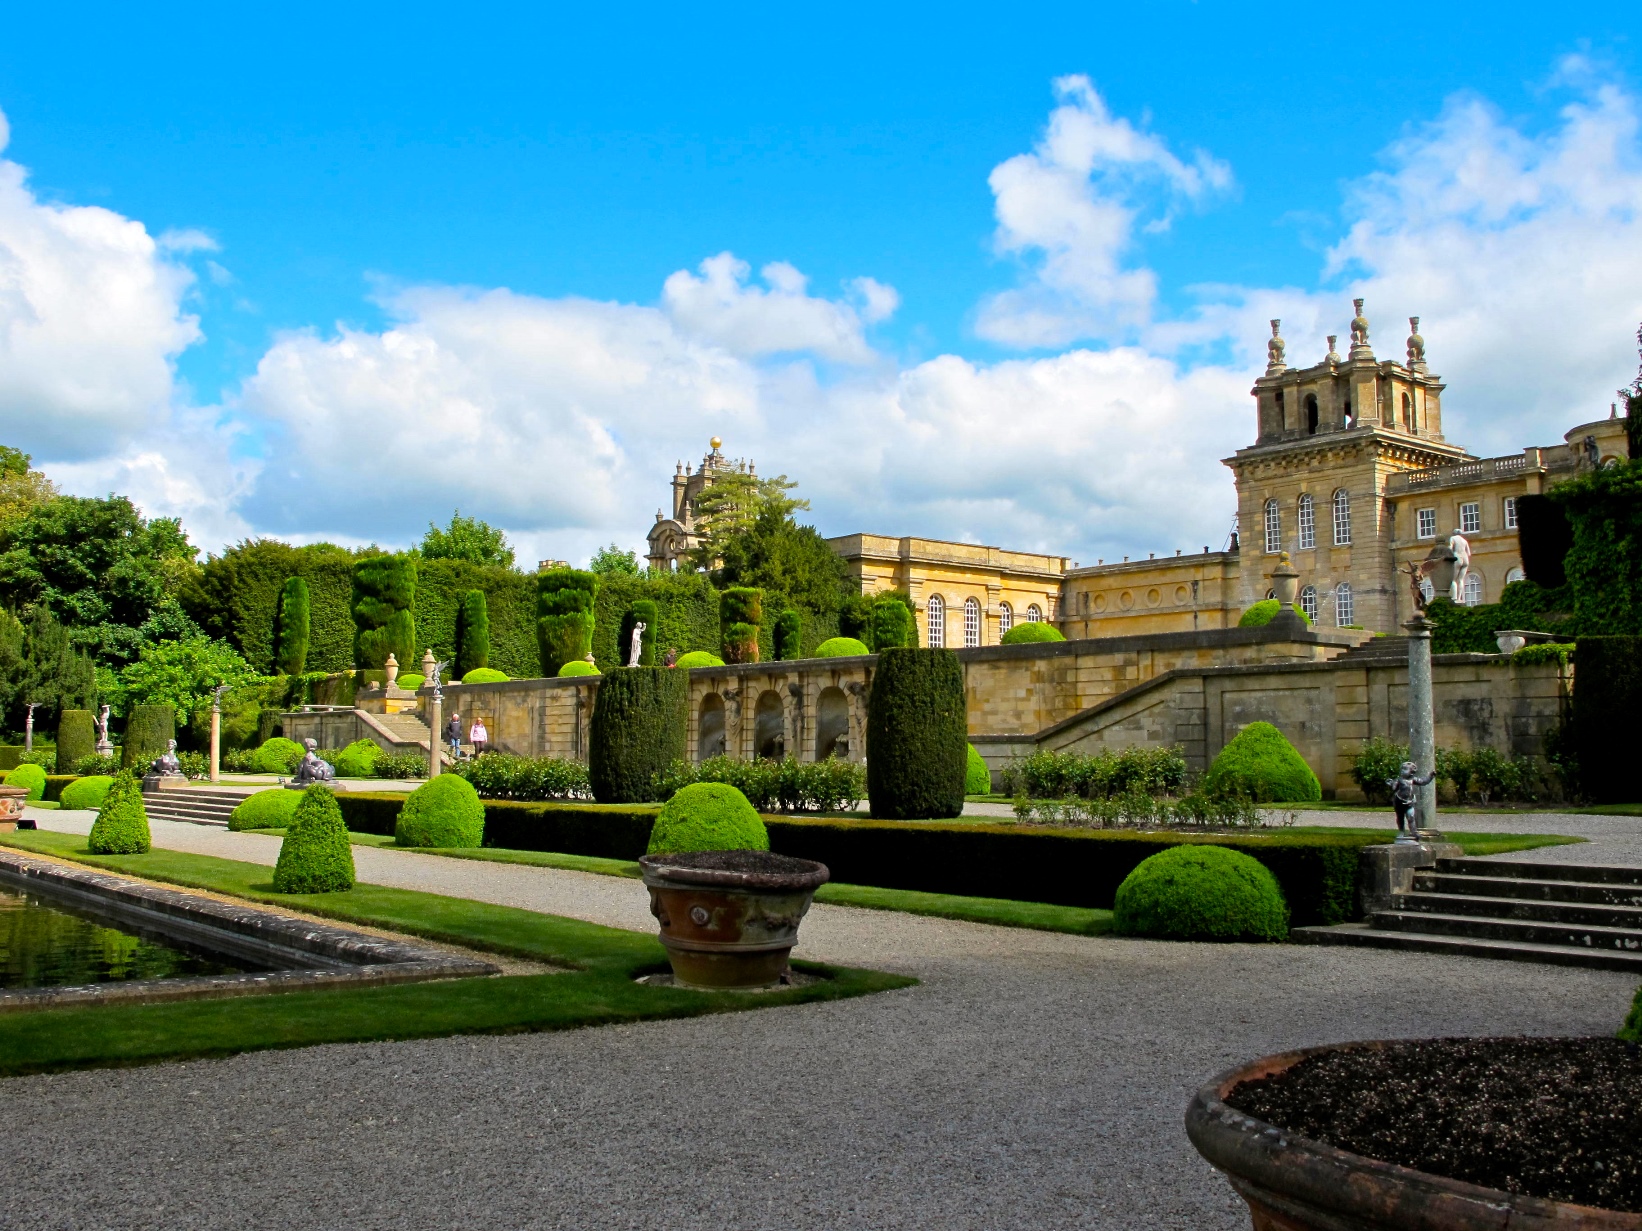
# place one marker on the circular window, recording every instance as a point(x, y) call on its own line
point(1100, 602)
point(1126, 600)
point(1154, 597)
point(1181, 594)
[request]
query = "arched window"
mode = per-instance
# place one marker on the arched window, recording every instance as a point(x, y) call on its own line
point(1034, 614)
point(1342, 518)
point(1472, 594)
point(1513, 574)
point(1408, 412)
point(972, 623)
point(1308, 521)
point(1311, 414)
point(1274, 527)
point(936, 614)
point(1006, 618)
point(1308, 602)
point(1344, 609)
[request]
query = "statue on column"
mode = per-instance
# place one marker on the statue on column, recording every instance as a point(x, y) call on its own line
point(104, 747)
point(1461, 548)
point(167, 765)
point(312, 769)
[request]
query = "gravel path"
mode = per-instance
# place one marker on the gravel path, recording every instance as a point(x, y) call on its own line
point(1031, 1080)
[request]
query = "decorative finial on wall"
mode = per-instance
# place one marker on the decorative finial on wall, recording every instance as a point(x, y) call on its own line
point(1416, 346)
point(1333, 355)
point(1274, 350)
point(1359, 333)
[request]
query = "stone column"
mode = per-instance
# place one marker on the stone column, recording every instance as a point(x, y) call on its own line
point(436, 720)
point(1422, 744)
point(216, 740)
point(28, 730)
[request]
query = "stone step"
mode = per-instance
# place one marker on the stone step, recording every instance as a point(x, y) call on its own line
point(1522, 889)
point(1467, 946)
point(1522, 910)
point(1589, 874)
point(195, 805)
point(1516, 931)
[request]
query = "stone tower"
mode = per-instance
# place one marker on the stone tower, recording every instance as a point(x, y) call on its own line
point(672, 538)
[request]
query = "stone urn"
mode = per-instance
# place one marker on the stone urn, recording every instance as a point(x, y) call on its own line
point(729, 919)
point(1292, 1183)
point(12, 801)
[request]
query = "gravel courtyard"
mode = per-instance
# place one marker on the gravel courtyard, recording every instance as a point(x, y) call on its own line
point(1031, 1080)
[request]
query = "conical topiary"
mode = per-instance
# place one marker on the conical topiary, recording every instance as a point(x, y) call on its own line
point(1262, 766)
point(121, 827)
point(315, 856)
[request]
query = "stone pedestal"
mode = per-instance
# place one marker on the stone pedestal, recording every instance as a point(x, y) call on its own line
point(1385, 871)
point(164, 782)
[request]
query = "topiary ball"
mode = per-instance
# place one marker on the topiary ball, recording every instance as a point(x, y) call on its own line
point(1263, 613)
point(32, 778)
point(708, 816)
point(121, 827)
point(489, 675)
point(1260, 765)
point(315, 856)
point(1031, 631)
point(358, 759)
point(1200, 892)
point(977, 777)
point(699, 658)
point(443, 811)
point(85, 793)
point(411, 682)
point(576, 666)
point(270, 809)
point(841, 647)
point(277, 756)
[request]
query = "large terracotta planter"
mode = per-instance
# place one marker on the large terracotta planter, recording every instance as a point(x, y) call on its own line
point(1292, 1183)
point(12, 801)
point(729, 919)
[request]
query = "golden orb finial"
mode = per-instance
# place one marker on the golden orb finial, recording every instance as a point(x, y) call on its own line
point(715, 442)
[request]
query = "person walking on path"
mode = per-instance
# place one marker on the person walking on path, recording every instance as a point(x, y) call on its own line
point(478, 736)
point(453, 735)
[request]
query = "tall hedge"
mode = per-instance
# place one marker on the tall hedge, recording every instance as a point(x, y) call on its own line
point(148, 729)
point(686, 614)
point(76, 738)
point(295, 623)
point(1607, 699)
point(890, 624)
point(384, 603)
point(237, 597)
point(917, 735)
point(565, 600)
point(637, 730)
point(1543, 539)
point(740, 615)
point(1604, 565)
point(789, 635)
point(645, 612)
point(472, 633)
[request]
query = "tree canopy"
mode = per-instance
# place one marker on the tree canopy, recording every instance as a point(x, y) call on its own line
point(180, 673)
point(730, 506)
point(776, 554)
point(612, 561)
point(467, 538)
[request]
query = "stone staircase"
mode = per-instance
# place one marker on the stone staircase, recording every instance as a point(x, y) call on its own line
point(196, 804)
point(1376, 651)
point(1527, 912)
point(405, 727)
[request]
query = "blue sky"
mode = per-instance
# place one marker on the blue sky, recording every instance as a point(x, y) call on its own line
point(435, 243)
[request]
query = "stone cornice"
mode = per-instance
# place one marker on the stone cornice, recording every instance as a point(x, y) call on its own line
point(1383, 444)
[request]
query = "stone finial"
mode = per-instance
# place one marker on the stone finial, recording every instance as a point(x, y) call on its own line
point(1274, 350)
point(1333, 355)
point(678, 468)
point(1416, 346)
point(1359, 333)
point(391, 668)
point(427, 655)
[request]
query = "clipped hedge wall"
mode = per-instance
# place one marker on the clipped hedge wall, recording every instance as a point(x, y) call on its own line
point(76, 738)
point(1607, 698)
point(148, 729)
point(917, 735)
point(637, 730)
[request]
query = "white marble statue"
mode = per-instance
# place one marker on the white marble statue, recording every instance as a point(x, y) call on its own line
point(1462, 566)
point(104, 748)
point(637, 648)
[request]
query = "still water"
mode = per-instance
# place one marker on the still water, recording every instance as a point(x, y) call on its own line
point(43, 944)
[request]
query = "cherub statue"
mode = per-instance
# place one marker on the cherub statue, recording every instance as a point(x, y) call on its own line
point(1405, 800)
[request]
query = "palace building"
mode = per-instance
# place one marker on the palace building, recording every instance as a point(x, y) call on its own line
point(1349, 473)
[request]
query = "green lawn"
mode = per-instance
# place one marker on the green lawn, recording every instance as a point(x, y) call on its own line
point(598, 987)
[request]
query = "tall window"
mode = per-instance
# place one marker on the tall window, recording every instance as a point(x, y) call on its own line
point(1311, 414)
point(1308, 602)
point(1006, 618)
point(1510, 512)
point(936, 614)
point(1425, 523)
point(972, 623)
point(1408, 412)
point(1308, 522)
point(1470, 518)
point(1513, 574)
point(1034, 614)
point(1344, 609)
point(1274, 527)
point(1342, 518)
point(1472, 595)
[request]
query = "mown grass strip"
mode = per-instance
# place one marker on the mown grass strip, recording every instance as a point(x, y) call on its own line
point(597, 990)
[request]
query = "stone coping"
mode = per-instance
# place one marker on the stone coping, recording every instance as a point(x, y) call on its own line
point(315, 955)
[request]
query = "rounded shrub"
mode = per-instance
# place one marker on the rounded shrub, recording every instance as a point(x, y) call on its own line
point(76, 739)
point(1260, 765)
point(841, 647)
point(1031, 631)
point(32, 778)
point(977, 778)
point(443, 811)
point(315, 856)
point(277, 756)
point(708, 816)
point(85, 793)
point(1263, 613)
point(637, 731)
point(699, 658)
point(148, 729)
point(917, 736)
point(410, 682)
point(1200, 892)
point(577, 666)
point(486, 675)
point(121, 827)
point(358, 759)
point(270, 809)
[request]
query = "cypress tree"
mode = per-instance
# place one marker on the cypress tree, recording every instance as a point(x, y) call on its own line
point(637, 731)
point(917, 736)
point(641, 612)
point(564, 616)
point(789, 632)
point(76, 739)
point(740, 614)
point(295, 619)
point(148, 729)
point(890, 624)
point(384, 601)
point(472, 633)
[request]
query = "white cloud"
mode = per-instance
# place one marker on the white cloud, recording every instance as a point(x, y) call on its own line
point(90, 320)
point(719, 307)
point(1071, 206)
